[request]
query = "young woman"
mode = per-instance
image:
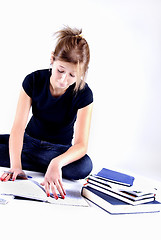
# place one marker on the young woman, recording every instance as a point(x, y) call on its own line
point(59, 98)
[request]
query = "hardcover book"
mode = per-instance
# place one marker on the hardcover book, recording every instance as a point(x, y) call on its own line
point(115, 177)
point(116, 206)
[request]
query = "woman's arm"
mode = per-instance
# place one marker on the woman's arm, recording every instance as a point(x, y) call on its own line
point(17, 134)
point(81, 136)
point(18, 128)
point(75, 152)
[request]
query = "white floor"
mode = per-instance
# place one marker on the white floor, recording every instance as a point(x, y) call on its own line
point(20, 219)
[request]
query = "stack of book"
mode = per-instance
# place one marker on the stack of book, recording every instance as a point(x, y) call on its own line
point(114, 192)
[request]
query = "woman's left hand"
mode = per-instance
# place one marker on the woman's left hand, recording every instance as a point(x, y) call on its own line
point(53, 180)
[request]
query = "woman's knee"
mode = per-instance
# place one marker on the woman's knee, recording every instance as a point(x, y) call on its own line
point(4, 151)
point(4, 139)
point(78, 169)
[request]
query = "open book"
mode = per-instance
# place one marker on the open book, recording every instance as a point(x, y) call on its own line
point(31, 189)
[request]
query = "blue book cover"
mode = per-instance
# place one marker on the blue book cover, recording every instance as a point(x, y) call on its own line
point(116, 177)
point(116, 206)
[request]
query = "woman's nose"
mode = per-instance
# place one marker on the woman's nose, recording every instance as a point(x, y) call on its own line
point(64, 78)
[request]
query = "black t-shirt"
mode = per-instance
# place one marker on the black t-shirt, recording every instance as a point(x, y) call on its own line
point(53, 117)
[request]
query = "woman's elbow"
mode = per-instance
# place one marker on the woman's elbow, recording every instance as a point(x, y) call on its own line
point(83, 149)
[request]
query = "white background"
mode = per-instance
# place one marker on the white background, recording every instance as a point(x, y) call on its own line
point(124, 74)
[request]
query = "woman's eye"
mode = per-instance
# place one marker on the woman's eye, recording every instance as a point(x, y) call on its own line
point(60, 71)
point(72, 75)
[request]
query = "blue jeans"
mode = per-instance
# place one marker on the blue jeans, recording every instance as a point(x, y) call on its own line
point(36, 156)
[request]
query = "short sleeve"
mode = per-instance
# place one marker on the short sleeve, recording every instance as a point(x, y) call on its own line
point(28, 84)
point(85, 97)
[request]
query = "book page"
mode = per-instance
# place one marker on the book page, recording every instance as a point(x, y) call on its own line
point(31, 189)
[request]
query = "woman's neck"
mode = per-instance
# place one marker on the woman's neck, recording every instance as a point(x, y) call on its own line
point(56, 92)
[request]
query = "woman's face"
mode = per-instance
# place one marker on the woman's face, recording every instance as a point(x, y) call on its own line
point(64, 74)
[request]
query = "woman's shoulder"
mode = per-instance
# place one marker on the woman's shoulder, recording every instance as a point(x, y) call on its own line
point(39, 73)
point(35, 79)
point(84, 96)
point(86, 90)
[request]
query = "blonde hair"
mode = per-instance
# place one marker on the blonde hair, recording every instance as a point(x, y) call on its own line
point(72, 47)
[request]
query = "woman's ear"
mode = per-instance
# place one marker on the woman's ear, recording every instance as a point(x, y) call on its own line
point(52, 58)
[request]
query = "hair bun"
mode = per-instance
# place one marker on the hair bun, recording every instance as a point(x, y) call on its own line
point(68, 32)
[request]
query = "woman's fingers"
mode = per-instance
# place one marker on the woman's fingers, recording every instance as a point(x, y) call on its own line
point(53, 190)
point(61, 185)
point(6, 176)
point(3, 176)
point(53, 186)
point(13, 174)
point(47, 188)
point(60, 189)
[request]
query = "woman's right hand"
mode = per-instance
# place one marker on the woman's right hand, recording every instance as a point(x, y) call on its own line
point(12, 174)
